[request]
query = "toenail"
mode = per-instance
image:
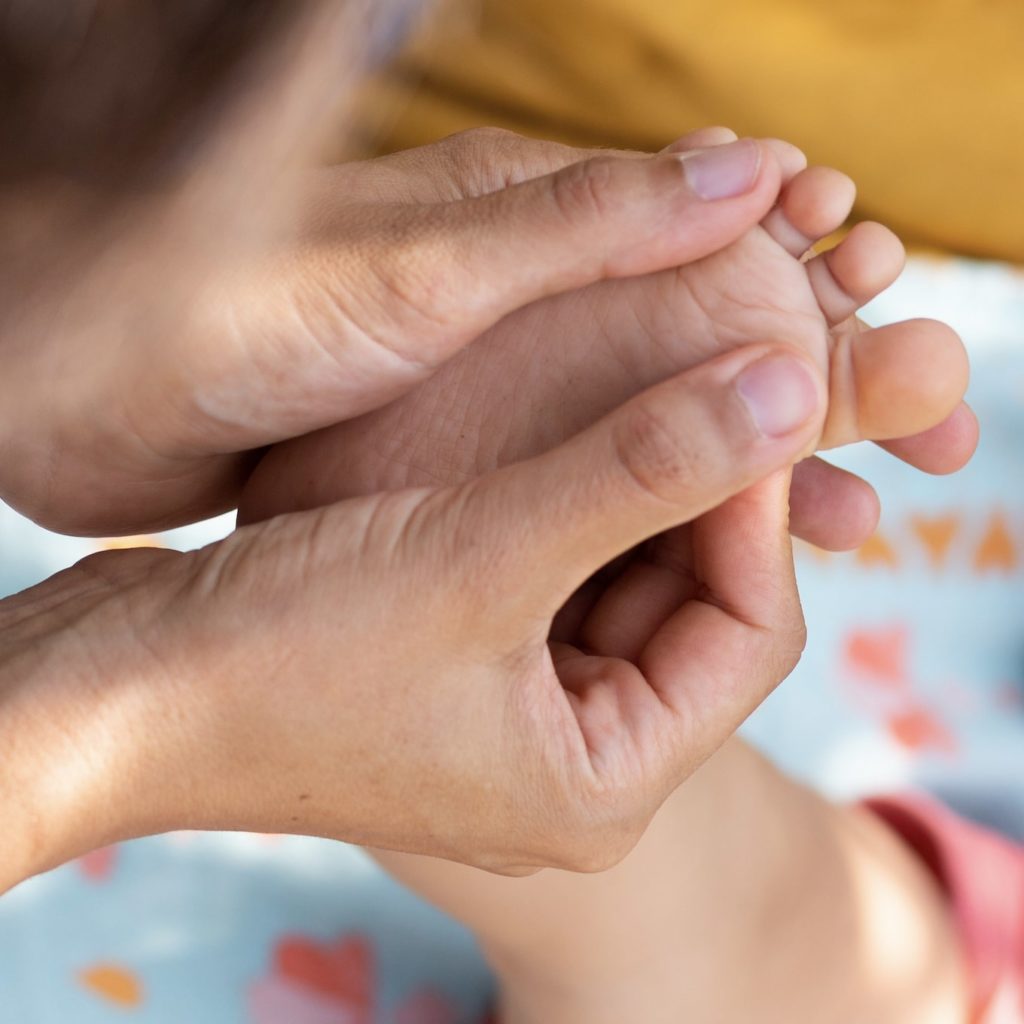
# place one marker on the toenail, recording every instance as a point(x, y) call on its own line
point(723, 172)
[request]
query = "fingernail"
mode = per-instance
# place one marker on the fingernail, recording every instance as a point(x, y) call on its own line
point(780, 393)
point(723, 172)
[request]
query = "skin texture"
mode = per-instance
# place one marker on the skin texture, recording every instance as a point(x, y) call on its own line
point(200, 325)
point(301, 318)
point(265, 683)
point(547, 371)
point(147, 690)
point(717, 916)
point(143, 691)
point(662, 936)
point(690, 926)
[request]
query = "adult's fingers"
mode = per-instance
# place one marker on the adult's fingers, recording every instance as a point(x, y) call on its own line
point(484, 160)
point(439, 275)
point(829, 507)
point(466, 165)
point(664, 458)
point(735, 633)
point(376, 305)
point(722, 652)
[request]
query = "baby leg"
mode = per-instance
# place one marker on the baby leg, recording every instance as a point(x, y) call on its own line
point(749, 899)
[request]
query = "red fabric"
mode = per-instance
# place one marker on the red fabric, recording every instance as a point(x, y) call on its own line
point(983, 875)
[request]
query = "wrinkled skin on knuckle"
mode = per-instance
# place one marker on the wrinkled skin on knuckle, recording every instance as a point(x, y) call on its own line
point(590, 827)
point(588, 191)
point(480, 159)
point(455, 546)
point(473, 146)
point(598, 846)
point(780, 649)
point(408, 300)
point(791, 646)
point(478, 148)
point(655, 458)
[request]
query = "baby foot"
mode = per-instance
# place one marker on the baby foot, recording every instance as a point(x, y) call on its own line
point(549, 370)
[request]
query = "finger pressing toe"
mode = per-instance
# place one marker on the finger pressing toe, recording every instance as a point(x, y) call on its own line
point(791, 159)
point(814, 204)
point(864, 263)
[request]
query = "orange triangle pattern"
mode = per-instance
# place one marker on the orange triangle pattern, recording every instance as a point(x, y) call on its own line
point(937, 536)
point(878, 551)
point(940, 536)
point(997, 549)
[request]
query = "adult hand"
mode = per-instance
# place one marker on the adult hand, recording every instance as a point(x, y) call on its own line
point(380, 670)
point(152, 410)
point(549, 370)
point(829, 506)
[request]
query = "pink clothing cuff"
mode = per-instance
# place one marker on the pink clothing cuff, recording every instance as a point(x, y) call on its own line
point(983, 875)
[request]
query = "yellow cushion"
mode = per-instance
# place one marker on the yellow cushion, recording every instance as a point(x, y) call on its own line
point(921, 101)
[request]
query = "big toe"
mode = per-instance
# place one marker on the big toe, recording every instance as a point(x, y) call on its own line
point(895, 381)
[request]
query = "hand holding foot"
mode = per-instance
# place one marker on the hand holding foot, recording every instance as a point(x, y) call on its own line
point(379, 670)
point(357, 298)
point(549, 370)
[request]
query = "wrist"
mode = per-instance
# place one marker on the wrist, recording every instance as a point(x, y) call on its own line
point(76, 717)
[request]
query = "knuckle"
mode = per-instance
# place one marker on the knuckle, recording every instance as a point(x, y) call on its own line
point(508, 870)
point(793, 646)
point(478, 158)
point(587, 190)
point(654, 457)
point(475, 141)
point(596, 829)
point(799, 639)
point(411, 278)
point(783, 648)
point(596, 848)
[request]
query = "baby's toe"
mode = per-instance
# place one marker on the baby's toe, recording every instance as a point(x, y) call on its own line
point(942, 449)
point(894, 381)
point(813, 205)
point(864, 263)
point(792, 160)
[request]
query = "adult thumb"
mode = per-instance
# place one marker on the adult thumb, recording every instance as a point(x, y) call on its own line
point(459, 267)
point(540, 528)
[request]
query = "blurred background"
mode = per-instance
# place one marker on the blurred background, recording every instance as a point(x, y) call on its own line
point(914, 673)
